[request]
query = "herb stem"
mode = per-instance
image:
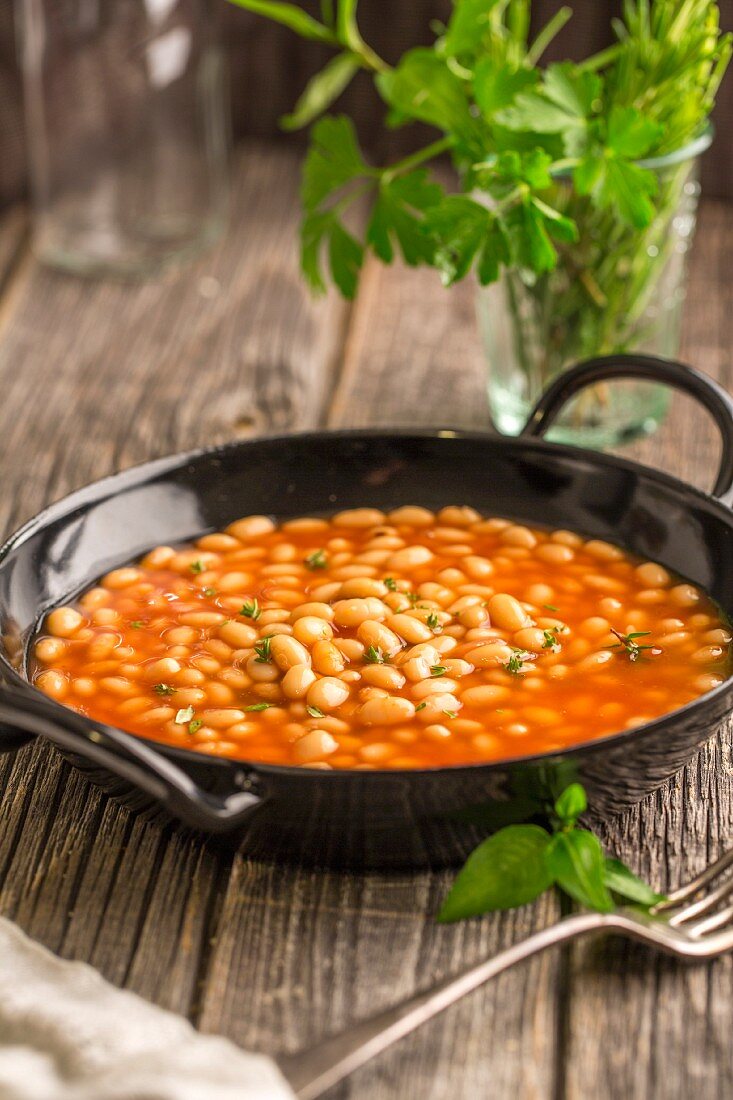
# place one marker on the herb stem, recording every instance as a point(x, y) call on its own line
point(416, 159)
point(546, 35)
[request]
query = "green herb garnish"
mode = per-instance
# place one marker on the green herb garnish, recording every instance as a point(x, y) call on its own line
point(374, 656)
point(317, 560)
point(262, 649)
point(164, 689)
point(412, 597)
point(197, 566)
point(629, 643)
point(549, 607)
point(251, 610)
point(137, 624)
point(184, 716)
point(432, 621)
point(519, 862)
point(195, 725)
point(450, 713)
point(515, 664)
point(315, 712)
point(259, 706)
point(559, 152)
point(420, 706)
point(549, 639)
point(391, 584)
point(209, 592)
point(438, 670)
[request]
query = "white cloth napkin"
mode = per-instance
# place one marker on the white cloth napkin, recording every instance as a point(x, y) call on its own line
point(67, 1034)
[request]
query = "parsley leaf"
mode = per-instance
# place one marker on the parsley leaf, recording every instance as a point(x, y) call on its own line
point(424, 88)
point(374, 656)
point(195, 725)
point(290, 15)
point(317, 560)
point(321, 90)
point(256, 707)
point(197, 566)
point(396, 217)
point(164, 689)
point(262, 649)
point(634, 650)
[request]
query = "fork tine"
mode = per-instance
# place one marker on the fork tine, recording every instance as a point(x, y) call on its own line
point(717, 920)
point(703, 905)
point(695, 884)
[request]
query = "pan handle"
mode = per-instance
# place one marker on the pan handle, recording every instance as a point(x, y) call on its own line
point(124, 755)
point(708, 393)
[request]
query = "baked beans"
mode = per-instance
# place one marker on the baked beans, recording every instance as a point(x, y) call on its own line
point(404, 639)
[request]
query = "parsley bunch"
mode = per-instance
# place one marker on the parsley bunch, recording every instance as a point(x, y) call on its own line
point(552, 163)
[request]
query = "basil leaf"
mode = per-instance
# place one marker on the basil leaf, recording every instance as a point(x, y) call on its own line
point(575, 861)
point(507, 870)
point(626, 884)
point(321, 91)
point(289, 15)
point(571, 804)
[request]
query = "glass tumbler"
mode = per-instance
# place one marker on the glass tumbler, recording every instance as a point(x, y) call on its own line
point(127, 131)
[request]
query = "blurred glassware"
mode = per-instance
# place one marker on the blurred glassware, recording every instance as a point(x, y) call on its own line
point(127, 123)
point(617, 289)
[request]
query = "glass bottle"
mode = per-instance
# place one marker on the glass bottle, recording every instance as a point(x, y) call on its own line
point(127, 131)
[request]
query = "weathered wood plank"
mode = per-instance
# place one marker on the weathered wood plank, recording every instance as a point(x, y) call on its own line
point(637, 1024)
point(14, 235)
point(95, 376)
point(301, 954)
point(124, 372)
point(413, 355)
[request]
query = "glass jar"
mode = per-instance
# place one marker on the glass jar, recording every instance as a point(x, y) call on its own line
point(127, 131)
point(618, 289)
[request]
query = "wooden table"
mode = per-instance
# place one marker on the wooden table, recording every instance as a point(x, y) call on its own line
point(96, 376)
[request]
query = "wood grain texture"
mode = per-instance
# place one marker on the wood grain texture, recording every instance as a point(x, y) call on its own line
point(120, 373)
point(273, 956)
point(638, 1025)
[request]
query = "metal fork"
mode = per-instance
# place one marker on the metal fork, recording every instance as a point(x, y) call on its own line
point(691, 923)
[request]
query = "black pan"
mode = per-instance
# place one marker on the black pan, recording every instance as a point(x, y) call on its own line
point(358, 819)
